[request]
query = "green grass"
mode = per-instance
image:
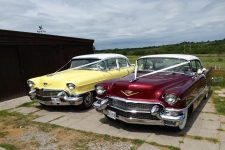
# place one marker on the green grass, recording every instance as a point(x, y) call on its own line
point(220, 129)
point(8, 146)
point(164, 146)
point(3, 134)
point(219, 104)
point(213, 60)
point(213, 140)
point(138, 142)
point(19, 121)
point(27, 104)
point(5, 113)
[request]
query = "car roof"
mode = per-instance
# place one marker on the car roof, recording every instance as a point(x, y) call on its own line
point(100, 56)
point(179, 56)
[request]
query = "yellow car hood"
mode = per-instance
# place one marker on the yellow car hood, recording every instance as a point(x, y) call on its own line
point(77, 77)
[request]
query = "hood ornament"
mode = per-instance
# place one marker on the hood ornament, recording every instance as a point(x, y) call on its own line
point(45, 84)
point(128, 92)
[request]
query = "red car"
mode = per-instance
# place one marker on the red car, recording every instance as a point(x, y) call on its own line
point(163, 90)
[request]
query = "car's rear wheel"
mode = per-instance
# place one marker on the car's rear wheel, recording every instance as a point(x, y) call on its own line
point(88, 100)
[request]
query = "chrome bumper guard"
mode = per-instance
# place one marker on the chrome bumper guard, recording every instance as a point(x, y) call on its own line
point(61, 99)
point(166, 117)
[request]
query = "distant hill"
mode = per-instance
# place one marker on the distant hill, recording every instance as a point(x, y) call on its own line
point(209, 47)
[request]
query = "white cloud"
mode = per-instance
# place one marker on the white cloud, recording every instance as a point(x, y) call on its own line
point(119, 23)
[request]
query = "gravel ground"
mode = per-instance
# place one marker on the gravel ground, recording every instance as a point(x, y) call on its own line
point(110, 146)
point(44, 140)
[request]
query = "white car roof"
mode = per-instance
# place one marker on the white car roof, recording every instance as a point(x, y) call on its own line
point(100, 56)
point(179, 56)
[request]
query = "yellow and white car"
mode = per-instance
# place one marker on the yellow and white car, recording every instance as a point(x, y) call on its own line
point(75, 86)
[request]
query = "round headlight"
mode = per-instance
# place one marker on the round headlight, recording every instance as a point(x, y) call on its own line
point(171, 99)
point(100, 90)
point(70, 86)
point(30, 83)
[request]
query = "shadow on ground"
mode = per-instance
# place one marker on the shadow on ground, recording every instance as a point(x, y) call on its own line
point(158, 130)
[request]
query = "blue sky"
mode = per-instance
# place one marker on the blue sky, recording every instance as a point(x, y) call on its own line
point(119, 23)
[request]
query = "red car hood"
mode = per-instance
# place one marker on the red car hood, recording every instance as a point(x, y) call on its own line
point(149, 88)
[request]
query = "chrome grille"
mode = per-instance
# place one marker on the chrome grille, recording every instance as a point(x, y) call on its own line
point(47, 93)
point(124, 105)
point(134, 115)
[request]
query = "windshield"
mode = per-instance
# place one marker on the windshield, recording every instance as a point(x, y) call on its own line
point(154, 64)
point(95, 66)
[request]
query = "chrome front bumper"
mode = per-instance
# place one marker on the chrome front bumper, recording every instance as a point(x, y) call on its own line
point(61, 99)
point(166, 117)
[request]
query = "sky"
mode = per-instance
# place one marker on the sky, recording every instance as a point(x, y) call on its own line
point(119, 23)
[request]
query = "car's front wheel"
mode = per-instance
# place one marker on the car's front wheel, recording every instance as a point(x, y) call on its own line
point(88, 100)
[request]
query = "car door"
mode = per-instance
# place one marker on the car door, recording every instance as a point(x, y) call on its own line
point(199, 82)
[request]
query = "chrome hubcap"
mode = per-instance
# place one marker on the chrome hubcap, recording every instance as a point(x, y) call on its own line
point(88, 99)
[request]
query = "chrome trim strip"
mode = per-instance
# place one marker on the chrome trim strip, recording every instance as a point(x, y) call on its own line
point(140, 121)
point(130, 101)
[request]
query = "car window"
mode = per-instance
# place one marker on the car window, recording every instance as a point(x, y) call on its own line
point(193, 66)
point(122, 63)
point(111, 63)
point(145, 64)
point(153, 64)
point(157, 63)
point(81, 62)
point(198, 64)
point(97, 66)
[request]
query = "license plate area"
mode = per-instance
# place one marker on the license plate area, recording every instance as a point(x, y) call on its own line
point(55, 100)
point(111, 114)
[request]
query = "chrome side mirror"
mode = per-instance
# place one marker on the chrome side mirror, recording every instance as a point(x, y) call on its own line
point(199, 71)
point(204, 69)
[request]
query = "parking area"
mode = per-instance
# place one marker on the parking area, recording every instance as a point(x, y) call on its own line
point(205, 129)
